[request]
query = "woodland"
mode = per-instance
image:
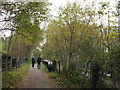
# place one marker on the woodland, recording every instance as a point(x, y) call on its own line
point(85, 39)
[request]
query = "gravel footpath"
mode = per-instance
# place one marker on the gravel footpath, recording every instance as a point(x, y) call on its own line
point(36, 78)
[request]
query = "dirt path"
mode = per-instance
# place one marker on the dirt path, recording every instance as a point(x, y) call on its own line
point(36, 78)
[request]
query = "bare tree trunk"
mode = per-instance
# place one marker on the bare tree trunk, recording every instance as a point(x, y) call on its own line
point(71, 38)
point(62, 59)
point(119, 21)
point(18, 57)
point(7, 62)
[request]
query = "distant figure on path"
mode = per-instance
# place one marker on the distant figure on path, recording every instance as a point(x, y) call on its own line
point(39, 62)
point(33, 61)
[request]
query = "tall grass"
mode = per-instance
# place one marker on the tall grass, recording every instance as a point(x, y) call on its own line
point(10, 79)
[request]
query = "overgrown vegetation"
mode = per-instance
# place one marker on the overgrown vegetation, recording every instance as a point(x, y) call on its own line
point(73, 79)
point(10, 79)
point(85, 39)
point(22, 19)
point(77, 40)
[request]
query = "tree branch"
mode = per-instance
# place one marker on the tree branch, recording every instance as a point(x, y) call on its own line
point(17, 31)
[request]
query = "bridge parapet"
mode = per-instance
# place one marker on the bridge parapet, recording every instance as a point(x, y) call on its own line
point(48, 64)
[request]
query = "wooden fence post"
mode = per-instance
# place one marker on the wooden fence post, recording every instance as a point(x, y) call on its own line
point(54, 65)
point(59, 67)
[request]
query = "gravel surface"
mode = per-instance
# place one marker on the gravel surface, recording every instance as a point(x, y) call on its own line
point(36, 78)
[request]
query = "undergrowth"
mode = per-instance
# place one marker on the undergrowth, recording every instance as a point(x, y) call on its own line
point(71, 79)
point(10, 79)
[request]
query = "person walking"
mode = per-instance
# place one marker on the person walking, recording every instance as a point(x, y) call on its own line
point(33, 61)
point(39, 62)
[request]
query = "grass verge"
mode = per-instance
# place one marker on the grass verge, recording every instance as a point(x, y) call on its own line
point(10, 79)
